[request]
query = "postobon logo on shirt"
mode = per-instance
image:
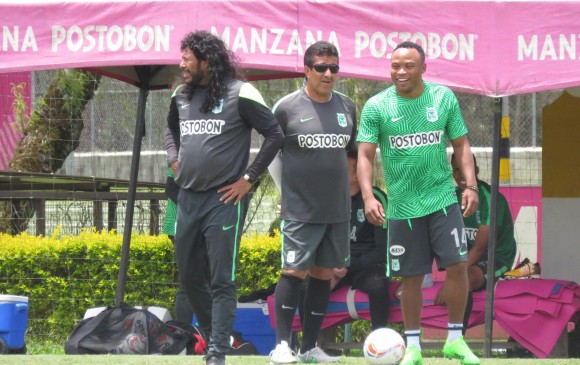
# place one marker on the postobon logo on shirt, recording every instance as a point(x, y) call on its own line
point(211, 126)
point(416, 139)
point(323, 140)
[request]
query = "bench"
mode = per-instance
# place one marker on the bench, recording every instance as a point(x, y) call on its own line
point(520, 308)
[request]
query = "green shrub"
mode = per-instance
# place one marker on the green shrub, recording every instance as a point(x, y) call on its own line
point(259, 263)
point(63, 276)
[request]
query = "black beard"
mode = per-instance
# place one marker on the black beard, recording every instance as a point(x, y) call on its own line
point(195, 81)
point(192, 85)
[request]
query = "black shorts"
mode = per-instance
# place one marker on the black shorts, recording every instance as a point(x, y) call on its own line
point(307, 244)
point(415, 242)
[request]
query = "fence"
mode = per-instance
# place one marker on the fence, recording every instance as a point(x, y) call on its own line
point(105, 139)
point(104, 144)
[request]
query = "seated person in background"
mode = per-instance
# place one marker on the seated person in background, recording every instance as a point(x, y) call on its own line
point(368, 245)
point(477, 234)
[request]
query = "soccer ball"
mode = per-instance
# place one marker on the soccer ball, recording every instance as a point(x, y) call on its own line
point(384, 346)
point(132, 344)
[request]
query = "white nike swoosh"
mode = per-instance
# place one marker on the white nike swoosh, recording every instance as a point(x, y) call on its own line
point(286, 307)
point(316, 314)
point(302, 120)
point(396, 119)
point(184, 106)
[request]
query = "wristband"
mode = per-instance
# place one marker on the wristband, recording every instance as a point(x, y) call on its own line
point(472, 187)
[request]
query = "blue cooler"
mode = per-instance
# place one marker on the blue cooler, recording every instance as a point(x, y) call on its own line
point(13, 322)
point(253, 322)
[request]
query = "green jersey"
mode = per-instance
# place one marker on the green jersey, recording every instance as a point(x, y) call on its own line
point(412, 136)
point(505, 249)
point(170, 210)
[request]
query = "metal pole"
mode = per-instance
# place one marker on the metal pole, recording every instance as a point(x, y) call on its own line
point(489, 299)
point(534, 120)
point(139, 132)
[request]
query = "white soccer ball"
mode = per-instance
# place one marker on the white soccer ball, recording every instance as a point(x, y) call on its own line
point(384, 346)
point(133, 344)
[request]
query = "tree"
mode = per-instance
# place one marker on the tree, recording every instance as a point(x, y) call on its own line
point(51, 134)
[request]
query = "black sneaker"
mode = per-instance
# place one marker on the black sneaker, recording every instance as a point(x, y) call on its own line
point(214, 360)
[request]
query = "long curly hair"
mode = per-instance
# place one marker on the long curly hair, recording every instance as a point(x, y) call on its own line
point(222, 65)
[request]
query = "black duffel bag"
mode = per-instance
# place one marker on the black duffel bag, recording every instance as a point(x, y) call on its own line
point(128, 330)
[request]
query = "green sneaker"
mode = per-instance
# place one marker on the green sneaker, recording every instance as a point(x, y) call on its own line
point(458, 349)
point(412, 356)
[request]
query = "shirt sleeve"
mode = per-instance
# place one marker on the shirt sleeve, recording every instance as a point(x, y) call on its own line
point(256, 113)
point(455, 124)
point(368, 130)
point(172, 141)
point(484, 203)
point(352, 142)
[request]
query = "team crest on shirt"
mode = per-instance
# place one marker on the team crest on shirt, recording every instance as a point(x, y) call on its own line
point(218, 109)
point(395, 266)
point(341, 119)
point(432, 114)
point(360, 215)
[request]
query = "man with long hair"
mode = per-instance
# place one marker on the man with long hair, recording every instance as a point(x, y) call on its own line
point(211, 116)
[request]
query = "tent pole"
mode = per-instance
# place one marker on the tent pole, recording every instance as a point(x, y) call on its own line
point(139, 132)
point(489, 299)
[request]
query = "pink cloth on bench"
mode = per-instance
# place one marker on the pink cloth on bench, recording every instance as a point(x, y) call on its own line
point(521, 307)
point(536, 311)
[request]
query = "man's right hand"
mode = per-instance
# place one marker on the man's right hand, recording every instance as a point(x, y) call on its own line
point(440, 297)
point(337, 275)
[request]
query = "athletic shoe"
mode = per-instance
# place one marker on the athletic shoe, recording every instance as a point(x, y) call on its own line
point(316, 356)
point(282, 354)
point(458, 349)
point(412, 356)
point(214, 360)
point(524, 270)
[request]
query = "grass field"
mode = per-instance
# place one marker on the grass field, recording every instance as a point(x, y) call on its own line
point(49, 352)
point(233, 360)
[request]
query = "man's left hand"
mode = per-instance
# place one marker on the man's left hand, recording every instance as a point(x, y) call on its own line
point(235, 192)
point(469, 202)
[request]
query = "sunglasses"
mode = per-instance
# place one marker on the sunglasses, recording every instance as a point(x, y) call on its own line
point(322, 67)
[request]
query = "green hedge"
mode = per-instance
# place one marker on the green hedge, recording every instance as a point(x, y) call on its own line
point(63, 276)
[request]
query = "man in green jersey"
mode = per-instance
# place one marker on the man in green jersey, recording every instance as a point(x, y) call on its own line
point(477, 233)
point(411, 122)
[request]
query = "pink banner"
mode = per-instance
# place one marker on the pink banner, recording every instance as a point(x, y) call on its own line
point(522, 198)
point(488, 47)
point(10, 131)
